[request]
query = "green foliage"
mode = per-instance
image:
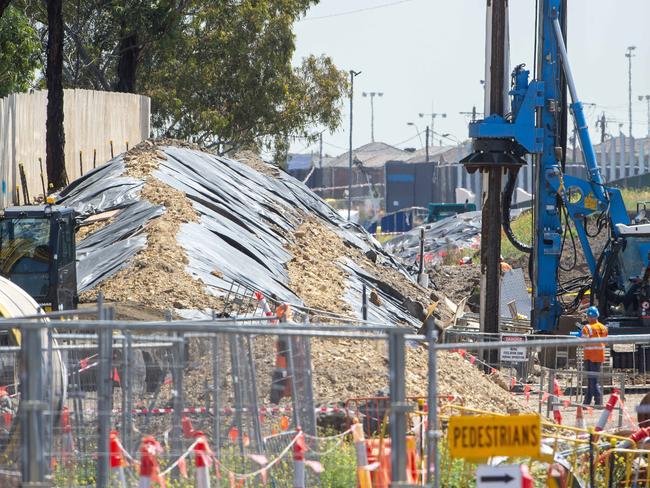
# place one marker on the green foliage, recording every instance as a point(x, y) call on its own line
point(19, 47)
point(218, 73)
point(228, 80)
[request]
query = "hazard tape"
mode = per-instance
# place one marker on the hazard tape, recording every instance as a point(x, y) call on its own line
point(227, 411)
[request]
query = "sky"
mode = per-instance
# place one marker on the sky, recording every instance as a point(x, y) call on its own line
point(429, 56)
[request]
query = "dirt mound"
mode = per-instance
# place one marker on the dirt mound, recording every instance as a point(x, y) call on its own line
point(455, 281)
point(319, 273)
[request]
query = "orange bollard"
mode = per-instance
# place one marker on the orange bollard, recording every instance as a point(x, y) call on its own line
point(359, 439)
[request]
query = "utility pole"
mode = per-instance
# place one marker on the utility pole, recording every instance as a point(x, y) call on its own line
point(497, 14)
point(629, 57)
point(319, 181)
point(647, 99)
point(372, 111)
point(352, 75)
point(426, 145)
point(320, 151)
point(473, 114)
point(602, 123)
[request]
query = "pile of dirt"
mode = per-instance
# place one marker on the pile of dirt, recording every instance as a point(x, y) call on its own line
point(313, 271)
point(157, 279)
point(455, 281)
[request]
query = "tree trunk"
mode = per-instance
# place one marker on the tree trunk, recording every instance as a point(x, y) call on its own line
point(128, 63)
point(55, 135)
point(3, 5)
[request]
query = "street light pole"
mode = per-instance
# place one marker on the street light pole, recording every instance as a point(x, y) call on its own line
point(647, 99)
point(352, 75)
point(417, 130)
point(629, 57)
point(426, 138)
point(372, 111)
point(433, 120)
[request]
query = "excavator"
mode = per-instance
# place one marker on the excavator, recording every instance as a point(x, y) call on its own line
point(567, 209)
point(38, 253)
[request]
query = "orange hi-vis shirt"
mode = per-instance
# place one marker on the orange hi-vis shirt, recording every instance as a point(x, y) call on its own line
point(594, 352)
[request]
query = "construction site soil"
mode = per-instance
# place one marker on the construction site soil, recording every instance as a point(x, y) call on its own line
point(156, 280)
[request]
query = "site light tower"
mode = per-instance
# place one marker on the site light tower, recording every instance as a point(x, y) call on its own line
point(647, 99)
point(372, 111)
point(629, 55)
point(433, 116)
point(352, 75)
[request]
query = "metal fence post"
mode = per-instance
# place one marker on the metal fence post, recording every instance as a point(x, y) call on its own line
point(104, 396)
point(178, 360)
point(127, 385)
point(398, 405)
point(291, 377)
point(433, 455)
point(32, 405)
point(237, 391)
point(621, 404)
point(541, 390)
point(216, 408)
point(551, 398)
point(50, 401)
point(257, 425)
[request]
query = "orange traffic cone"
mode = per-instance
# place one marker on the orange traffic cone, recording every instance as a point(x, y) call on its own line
point(580, 418)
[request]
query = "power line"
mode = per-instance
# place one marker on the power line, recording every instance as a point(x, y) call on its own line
point(351, 12)
point(407, 140)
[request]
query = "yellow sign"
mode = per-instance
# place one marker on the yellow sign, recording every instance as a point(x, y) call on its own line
point(590, 202)
point(482, 436)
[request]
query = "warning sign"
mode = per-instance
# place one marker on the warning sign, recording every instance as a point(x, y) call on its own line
point(482, 436)
point(513, 354)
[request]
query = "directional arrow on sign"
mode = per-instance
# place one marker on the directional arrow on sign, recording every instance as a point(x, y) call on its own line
point(501, 476)
point(505, 478)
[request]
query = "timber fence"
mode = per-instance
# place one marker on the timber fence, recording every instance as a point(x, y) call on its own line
point(98, 125)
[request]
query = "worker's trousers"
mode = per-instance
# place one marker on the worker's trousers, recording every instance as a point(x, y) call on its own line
point(593, 386)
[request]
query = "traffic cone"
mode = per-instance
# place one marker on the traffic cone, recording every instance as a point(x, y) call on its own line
point(202, 460)
point(149, 468)
point(117, 459)
point(67, 443)
point(188, 429)
point(557, 415)
point(607, 411)
point(358, 437)
point(299, 449)
point(580, 418)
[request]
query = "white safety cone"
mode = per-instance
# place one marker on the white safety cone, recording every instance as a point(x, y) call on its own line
point(202, 461)
point(609, 407)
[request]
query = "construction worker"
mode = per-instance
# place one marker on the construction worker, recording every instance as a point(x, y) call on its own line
point(505, 267)
point(594, 355)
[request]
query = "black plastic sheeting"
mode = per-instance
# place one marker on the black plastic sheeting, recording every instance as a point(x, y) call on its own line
point(245, 217)
point(108, 250)
point(458, 231)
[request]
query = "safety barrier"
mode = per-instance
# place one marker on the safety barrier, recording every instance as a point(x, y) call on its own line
point(166, 400)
